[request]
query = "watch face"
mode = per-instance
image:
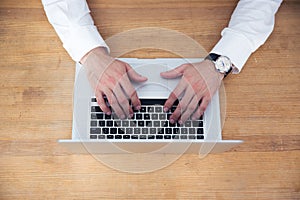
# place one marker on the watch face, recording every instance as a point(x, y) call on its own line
point(223, 64)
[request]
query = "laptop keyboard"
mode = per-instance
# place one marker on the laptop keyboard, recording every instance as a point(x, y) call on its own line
point(149, 123)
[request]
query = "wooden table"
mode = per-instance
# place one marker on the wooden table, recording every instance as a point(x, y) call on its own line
point(36, 109)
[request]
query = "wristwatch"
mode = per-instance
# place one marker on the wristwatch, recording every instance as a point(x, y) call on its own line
point(222, 63)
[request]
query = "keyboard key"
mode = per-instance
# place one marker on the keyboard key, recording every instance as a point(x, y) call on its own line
point(200, 137)
point(175, 137)
point(96, 109)
point(159, 136)
point(95, 130)
point(101, 123)
point(118, 136)
point(158, 109)
point(184, 131)
point(173, 108)
point(154, 116)
point(161, 130)
point(143, 137)
point(93, 136)
point(152, 130)
point(192, 137)
point(144, 130)
point(126, 136)
point(96, 116)
point(183, 137)
point(105, 130)
point(137, 130)
point(175, 130)
point(164, 124)
point(141, 123)
point(156, 123)
point(168, 116)
point(101, 137)
point(107, 116)
point(132, 123)
point(168, 130)
point(134, 137)
point(125, 123)
point(113, 130)
point(162, 116)
point(109, 123)
point(129, 130)
point(93, 100)
point(121, 130)
point(146, 116)
point(167, 136)
point(143, 109)
point(118, 123)
point(149, 123)
point(138, 116)
point(151, 137)
point(200, 131)
point(192, 131)
point(196, 123)
point(133, 117)
point(110, 136)
point(188, 123)
point(172, 125)
point(150, 109)
point(93, 123)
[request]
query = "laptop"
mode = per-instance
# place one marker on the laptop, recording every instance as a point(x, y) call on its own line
point(149, 131)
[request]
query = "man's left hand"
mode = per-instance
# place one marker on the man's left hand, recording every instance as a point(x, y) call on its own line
point(198, 84)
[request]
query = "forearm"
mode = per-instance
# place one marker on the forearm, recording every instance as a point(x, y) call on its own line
point(74, 25)
point(250, 25)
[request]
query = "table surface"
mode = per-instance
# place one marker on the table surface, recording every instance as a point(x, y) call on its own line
point(36, 109)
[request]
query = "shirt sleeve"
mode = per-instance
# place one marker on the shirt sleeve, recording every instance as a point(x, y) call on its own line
point(250, 25)
point(74, 25)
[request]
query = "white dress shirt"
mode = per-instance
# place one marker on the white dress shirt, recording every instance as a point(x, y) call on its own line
point(250, 25)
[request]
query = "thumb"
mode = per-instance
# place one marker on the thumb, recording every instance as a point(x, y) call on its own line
point(173, 73)
point(133, 75)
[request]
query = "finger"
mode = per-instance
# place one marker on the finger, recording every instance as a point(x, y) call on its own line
point(130, 92)
point(180, 88)
point(122, 101)
point(114, 103)
point(183, 104)
point(133, 75)
point(202, 107)
point(102, 104)
point(173, 73)
point(189, 111)
point(187, 97)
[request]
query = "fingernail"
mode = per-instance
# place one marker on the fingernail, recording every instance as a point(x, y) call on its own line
point(122, 116)
point(172, 121)
point(166, 109)
point(180, 122)
point(108, 113)
point(138, 107)
point(130, 115)
point(194, 118)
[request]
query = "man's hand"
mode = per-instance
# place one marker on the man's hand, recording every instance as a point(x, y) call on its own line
point(199, 83)
point(111, 78)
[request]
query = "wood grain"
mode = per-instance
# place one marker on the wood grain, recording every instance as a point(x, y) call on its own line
point(36, 85)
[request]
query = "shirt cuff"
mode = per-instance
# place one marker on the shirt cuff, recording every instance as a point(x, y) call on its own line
point(235, 46)
point(83, 39)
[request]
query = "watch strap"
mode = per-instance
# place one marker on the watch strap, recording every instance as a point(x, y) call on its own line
point(214, 57)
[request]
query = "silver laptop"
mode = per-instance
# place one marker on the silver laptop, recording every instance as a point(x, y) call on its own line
point(149, 130)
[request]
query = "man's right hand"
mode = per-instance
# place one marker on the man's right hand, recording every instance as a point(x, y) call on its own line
point(111, 78)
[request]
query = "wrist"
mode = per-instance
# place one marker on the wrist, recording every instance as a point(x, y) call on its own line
point(100, 51)
point(211, 65)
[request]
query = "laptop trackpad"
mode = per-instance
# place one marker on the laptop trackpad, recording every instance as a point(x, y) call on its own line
point(155, 86)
